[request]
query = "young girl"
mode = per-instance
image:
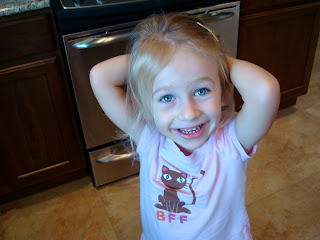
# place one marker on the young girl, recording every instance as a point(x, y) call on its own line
point(193, 155)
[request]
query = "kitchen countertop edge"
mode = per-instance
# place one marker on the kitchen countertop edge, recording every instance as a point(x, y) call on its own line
point(8, 7)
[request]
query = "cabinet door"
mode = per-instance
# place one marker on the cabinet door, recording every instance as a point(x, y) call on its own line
point(38, 141)
point(283, 42)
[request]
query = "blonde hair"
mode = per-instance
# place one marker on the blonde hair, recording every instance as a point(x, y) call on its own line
point(152, 45)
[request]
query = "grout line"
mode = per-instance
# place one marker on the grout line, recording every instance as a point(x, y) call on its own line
point(290, 185)
point(266, 196)
point(309, 185)
point(105, 210)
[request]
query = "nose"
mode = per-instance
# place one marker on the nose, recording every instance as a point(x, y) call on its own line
point(189, 110)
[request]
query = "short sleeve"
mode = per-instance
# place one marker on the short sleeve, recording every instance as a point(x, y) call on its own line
point(228, 141)
point(148, 136)
point(142, 141)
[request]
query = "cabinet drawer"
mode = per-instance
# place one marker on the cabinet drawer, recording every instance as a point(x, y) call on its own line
point(26, 37)
point(248, 5)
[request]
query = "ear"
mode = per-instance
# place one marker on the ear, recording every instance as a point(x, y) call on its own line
point(227, 96)
point(164, 168)
point(184, 175)
point(224, 101)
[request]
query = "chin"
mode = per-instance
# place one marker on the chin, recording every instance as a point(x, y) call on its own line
point(193, 145)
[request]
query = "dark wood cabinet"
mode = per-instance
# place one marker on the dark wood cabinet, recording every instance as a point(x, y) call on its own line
point(282, 40)
point(39, 138)
point(254, 5)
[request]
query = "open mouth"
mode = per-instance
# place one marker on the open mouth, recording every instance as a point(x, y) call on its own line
point(189, 131)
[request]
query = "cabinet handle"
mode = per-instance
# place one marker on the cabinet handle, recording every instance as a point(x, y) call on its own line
point(116, 157)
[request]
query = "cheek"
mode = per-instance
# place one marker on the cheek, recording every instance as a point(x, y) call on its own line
point(213, 104)
point(156, 114)
point(213, 109)
point(162, 118)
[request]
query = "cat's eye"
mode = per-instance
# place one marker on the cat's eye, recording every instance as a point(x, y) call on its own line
point(181, 179)
point(167, 176)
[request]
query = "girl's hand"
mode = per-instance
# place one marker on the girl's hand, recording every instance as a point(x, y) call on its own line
point(260, 92)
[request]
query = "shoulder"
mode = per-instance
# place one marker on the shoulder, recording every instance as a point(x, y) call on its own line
point(226, 140)
point(148, 138)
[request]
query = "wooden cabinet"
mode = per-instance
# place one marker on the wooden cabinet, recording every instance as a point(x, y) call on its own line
point(39, 137)
point(281, 37)
point(254, 5)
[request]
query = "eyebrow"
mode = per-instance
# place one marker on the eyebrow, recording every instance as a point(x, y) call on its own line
point(207, 79)
point(160, 90)
point(201, 80)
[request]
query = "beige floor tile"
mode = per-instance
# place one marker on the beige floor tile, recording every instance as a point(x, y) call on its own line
point(47, 194)
point(294, 139)
point(314, 182)
point(122, 203)
point(313, 97)
point(266, 174)
point(314, 110)
point(293, 213)
point(1, 230)
point(76, 215)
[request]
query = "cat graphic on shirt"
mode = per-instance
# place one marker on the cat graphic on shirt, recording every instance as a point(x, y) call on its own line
point(170, 201)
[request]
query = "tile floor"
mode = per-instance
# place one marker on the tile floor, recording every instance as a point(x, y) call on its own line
point(283, 190)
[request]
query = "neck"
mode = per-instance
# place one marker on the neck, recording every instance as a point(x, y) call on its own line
point(185, 151)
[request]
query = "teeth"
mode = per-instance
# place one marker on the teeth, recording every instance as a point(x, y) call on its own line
point(191, 130)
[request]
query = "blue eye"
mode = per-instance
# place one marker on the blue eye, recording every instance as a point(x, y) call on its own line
point(167, 98)
point(201, 91)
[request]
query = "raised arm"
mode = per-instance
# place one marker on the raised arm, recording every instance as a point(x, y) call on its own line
point(107, 79)
point(260, 92)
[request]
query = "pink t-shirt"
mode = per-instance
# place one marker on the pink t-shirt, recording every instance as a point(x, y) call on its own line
point(201, 196)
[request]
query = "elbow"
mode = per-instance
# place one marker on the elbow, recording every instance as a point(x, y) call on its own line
point(94, 76)
point(270, 93)
point(274, 89)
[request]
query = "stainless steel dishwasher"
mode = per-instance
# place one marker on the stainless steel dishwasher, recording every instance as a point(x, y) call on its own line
point(109, 160)
point(223, 20)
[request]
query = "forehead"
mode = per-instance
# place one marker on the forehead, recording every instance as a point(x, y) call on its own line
point(186, 67)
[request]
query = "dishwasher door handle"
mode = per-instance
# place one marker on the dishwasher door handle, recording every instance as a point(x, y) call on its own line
point(215, 16)
point(116, 157)
point(100, 40)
